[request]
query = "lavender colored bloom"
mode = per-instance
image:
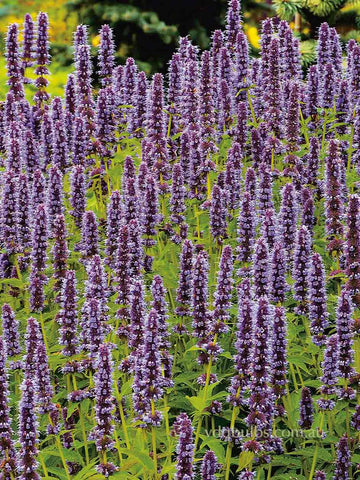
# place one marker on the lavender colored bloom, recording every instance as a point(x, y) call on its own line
point(36, 289)
point(13, 151)
point(30, 156)
point(260, 268)
point(60, 148)
point(38, 191)
point(278, 284)
point(122, 264)
point(47, 139)
point(200, 313)
point(222, 295)
point(265, 200)
point(243, 346)
point(138, 118)
point(313, 162)
point(147, 386)
point(343, 107)
point(137, 314)
point(241, 62)
point(246, 475)
point(177, 201)
point(302, 252)
point(39, 240)
point(159, 304)
point(68, 315)
point(80, 38)
point(317, 299)
point(323, 54)
point(354, 71)
point(260, 402)
point(32, 338)
point(352, 250)
point(44, 389)
point(319, 475)
point(136, 249)
point(184, 290)
point(106, 57)
point(356, 419)
point(59, 251)
point(269, 228)
point(328, 87)
point(272, 93)
point(206, 106)
point(333, 199)
point(80, 142)
point(344, 329)
point(225, 119)
point(150, 211)
point(174, 91)
point(23, 213)
point(85, 102)
point(28, 428)
point(218, 223)
point(343, 460)
point(246, 229)
point(312, 93)
point(330, 366)
point(10, 328)
point(54, 196)
point(7, 450)
point(256, 147)
point(103, 432)
point(27, 53)
point(288, 218)
point(131, 199)
point(278, 360)
point(14, 70)
point(42, 59)
point(292, 129)
point(96, 289)
point(190, 96)
point(9, 212)
point(129, 83)
point(89, 235)
point(306, 409)
point(209, 466)
point(185, 448)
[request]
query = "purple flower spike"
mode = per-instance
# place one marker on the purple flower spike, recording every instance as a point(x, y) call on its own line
point(184, 290)
point(265, 196)
point(23, 213)
point(344, 328)
point(45, 391)
point(9, 212)
point(278, 361)
point(89, 235)
point(148, 380)
point(247, 475)
point(54, 196)
point(177, 201)
point(39, 241)
point(330, 368)
point(223, 293)
point(14, 70)
point(209, 466)
point(319, 475)
point(137, 314)
point(333, 199)
point(200, 311)
point(7, 450)
point(343, 460)
point(306, 409)
point(261, 400)
point(42, 60)
point(68, 315)
point(30, 156)
point(244, 346)
point(103, 432)
point(10, 327)
point(218, 223)
point(260, 268)
point(312, 93)
point(122, 264)
point(352, 250)
point(288, 218)
point(150, 211)
point(28, 427)
point(185, 448)
point(85, 102)
point(138, 119)
point(28, 50)
point(302, 252)
point(278, 284)
point(106, 55)
point(159, 304)
point(246, 229)
point(269, 228)
point(317, 299)
point(272, 93)
point(77, 194)
point(59, 251)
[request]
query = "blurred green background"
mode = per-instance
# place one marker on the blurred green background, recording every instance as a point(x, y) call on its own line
point(148, 29)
